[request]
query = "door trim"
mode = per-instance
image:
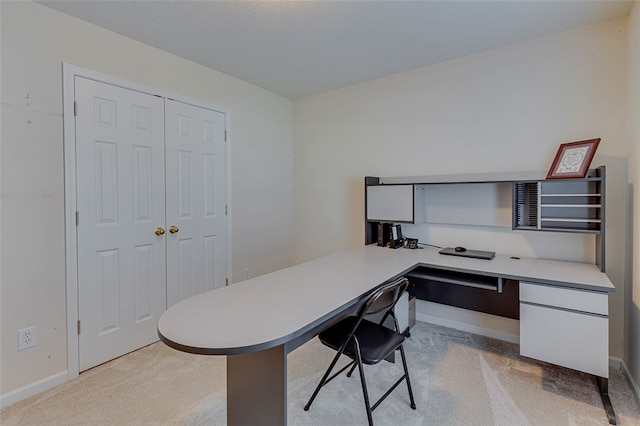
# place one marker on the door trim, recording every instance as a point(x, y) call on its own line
point(69, 73)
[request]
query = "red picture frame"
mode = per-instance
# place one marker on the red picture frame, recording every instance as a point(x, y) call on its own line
point(573, 159)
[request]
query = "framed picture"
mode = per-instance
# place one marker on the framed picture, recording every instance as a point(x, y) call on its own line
point(573, 159)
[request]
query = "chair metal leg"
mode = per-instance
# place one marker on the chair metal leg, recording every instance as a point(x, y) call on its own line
point(364, 387)
point(355, 364)
point(406, 374)
point(323, 381)
point(326, 380)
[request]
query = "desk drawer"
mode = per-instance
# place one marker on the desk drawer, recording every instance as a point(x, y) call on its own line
point(570, 339)
point(566, 298)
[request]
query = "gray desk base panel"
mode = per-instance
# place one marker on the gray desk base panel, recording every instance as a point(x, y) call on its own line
point(257, 388)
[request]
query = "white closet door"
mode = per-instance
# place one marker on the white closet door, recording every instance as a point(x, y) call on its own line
point(196, 197)
point(120, 202)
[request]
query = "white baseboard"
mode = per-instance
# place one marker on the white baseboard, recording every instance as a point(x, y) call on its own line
point(482, 331)
point(33, 388)
point(635, 388)
point(615, 362)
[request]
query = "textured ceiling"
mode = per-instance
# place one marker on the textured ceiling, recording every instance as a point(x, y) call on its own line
point(301, 48)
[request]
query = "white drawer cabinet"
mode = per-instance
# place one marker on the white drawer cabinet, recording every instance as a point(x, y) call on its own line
point(564, 326)
point(563, 297)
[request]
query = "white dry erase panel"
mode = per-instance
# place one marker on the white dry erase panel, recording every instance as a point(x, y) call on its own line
point(395, 203)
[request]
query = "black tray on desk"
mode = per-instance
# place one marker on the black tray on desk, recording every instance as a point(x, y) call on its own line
point(476, 254)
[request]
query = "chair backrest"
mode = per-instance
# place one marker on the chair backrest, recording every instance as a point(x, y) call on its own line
point(384, 298)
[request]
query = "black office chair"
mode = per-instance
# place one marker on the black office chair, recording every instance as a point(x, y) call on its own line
point(367, 342)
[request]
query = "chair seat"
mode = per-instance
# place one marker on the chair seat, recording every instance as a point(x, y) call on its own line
point(376, 341)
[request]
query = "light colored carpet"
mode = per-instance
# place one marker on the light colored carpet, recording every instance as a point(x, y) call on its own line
point(458, 379)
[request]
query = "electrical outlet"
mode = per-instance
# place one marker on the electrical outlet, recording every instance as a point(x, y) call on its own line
point(245, 273)
point(26, 338)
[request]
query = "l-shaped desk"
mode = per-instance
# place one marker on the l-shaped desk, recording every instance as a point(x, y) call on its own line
point(255, 323)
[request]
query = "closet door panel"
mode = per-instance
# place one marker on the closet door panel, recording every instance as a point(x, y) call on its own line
point(120, 202)
point(196, 196)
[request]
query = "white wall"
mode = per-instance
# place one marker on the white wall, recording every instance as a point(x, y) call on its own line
point(36, 40)
point(632, 353)
point(507, 109)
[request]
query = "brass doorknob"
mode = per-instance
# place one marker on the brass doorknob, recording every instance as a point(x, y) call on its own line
point(159, 231)
point(173, 229)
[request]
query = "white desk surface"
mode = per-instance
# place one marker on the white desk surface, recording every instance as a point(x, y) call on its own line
point(275, 308)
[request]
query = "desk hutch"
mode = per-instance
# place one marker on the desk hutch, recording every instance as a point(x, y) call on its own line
point(561, 322)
